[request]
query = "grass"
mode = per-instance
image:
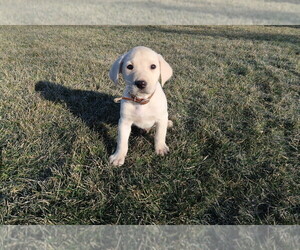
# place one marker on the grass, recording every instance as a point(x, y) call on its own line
point(234, 101)
point(168, 12)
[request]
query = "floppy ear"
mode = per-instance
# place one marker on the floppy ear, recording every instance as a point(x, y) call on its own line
point(165, 70)
point(116, 68)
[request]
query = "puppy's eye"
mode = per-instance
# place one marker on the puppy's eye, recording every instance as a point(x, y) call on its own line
point(130, 66)
point(153, 66)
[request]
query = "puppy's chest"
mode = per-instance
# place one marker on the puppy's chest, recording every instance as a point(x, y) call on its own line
point(141, 112)
point(143, 116)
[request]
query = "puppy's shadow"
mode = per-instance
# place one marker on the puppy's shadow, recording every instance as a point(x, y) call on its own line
point(97, 110)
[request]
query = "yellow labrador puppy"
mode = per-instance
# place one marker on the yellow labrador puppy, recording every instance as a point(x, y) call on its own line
point(143, 103)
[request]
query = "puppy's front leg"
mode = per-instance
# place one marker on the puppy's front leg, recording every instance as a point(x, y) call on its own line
point(124, 129)
point(161, 147)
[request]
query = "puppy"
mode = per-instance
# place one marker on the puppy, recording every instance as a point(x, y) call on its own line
point(144, 103)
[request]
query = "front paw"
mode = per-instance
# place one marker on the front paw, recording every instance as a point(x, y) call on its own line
point(162, 149)
point(117, 159)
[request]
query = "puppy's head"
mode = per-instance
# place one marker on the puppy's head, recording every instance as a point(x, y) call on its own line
point(141, 68)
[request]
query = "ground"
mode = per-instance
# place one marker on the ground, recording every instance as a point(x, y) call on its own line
point(234, 101)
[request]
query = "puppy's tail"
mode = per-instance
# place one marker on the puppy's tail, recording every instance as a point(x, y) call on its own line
point(170, 124)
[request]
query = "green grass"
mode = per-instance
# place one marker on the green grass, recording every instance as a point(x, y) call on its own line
point(234, 101)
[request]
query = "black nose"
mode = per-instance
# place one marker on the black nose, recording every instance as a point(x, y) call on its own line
point(140, 84)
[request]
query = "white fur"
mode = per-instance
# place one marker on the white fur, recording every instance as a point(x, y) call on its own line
point(143, 116)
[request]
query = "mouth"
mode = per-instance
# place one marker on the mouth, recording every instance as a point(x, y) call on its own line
point(138, 93)
point(134, 90)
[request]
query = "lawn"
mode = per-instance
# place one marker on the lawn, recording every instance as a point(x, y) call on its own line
point(234, 101)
